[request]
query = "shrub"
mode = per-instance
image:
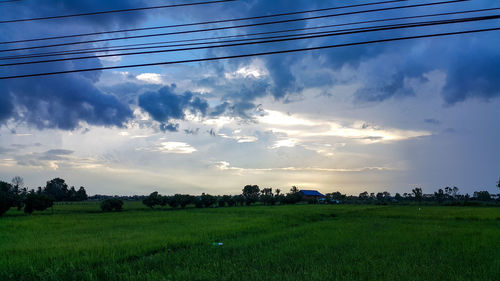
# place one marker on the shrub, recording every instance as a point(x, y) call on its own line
point(37, 202)
point(109, 205)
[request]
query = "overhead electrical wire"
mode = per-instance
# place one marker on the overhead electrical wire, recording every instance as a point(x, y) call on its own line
point(233, 26)
point(203, 22)
point(274, 39)
point(129, 47)
point(394, 39)
point(116, 11)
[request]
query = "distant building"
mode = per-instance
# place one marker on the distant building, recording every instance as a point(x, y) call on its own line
point(311, 194)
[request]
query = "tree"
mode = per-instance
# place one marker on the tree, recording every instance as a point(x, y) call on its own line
point(336, 196)
point(230, 200)
point(251, 193)
point(183, 199)
point(417, 193)
point(221, 201)
point(7, 197)
point(482, 195)
point(109, 205)
point(363, 195)
point(267, 196)
point(439, 195)
point(498, 183)
point(57, 188)
point(17, 182)
point(294, 196)
point(398, 197)
point(208, 200)
point(81, 194)
point(37, 202)
point(152, 200)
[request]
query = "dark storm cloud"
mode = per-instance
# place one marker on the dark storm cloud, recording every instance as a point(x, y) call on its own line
point(165, 105)
point(471, 62)
point(66, 100)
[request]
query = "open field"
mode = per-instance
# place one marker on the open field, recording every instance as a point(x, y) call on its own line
point(301, 242)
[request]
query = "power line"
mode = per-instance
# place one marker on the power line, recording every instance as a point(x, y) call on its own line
point(117, 11)
point(234, 26)
point(274, 39)
point(253, 54)
point(148, 45)
point(204, 22)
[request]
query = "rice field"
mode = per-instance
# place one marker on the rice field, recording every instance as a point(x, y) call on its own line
point(300, 242)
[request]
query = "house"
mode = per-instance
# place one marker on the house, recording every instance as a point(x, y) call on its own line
point(311, 194)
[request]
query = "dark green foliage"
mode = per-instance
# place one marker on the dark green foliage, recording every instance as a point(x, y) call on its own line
point(251, 193)
point(183, 199)
point(152, 200)
point(81, 194)
point(294, 196)
point(197, 202)
point(417, 193)
point(221, 201)
point(109, 205)
point(37, 202)
point(335, 196)
point(58, 189)
point(267, 196)
point(208, 200)
point(229, 200)
point(7, 197)
point(482, 195)
point(239, 200)
point(439, 196)
point(363, 195)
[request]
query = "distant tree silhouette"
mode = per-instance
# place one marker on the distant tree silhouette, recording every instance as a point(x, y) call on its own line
point(152, 200)
point(417, 193)
point(251, 193)
point(363, 195)
point(498, 183)
point(482, 195)
point(439, 195)
point(81, 194)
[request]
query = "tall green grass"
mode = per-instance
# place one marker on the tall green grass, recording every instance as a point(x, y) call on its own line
point(303, 242)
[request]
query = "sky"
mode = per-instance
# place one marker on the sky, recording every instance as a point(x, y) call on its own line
point(378, 117)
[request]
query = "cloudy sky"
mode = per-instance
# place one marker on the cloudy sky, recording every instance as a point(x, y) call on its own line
point(375, 117)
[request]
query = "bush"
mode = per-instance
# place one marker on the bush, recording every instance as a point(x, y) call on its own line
point(37, 202)
point(109, 205)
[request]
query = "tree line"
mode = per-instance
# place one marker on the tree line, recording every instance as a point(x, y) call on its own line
point(250, 195)
point(16, 195)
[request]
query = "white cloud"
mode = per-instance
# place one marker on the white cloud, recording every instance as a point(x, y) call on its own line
point(176, 147)
point(256, 69)
point(153, 78)
point(285, 143)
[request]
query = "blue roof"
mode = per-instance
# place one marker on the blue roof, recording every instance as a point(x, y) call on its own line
point(311, 193)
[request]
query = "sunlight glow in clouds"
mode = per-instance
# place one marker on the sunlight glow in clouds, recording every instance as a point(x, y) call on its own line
point(301, 127)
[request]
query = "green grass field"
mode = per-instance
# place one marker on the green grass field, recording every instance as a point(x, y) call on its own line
point(302, 242)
